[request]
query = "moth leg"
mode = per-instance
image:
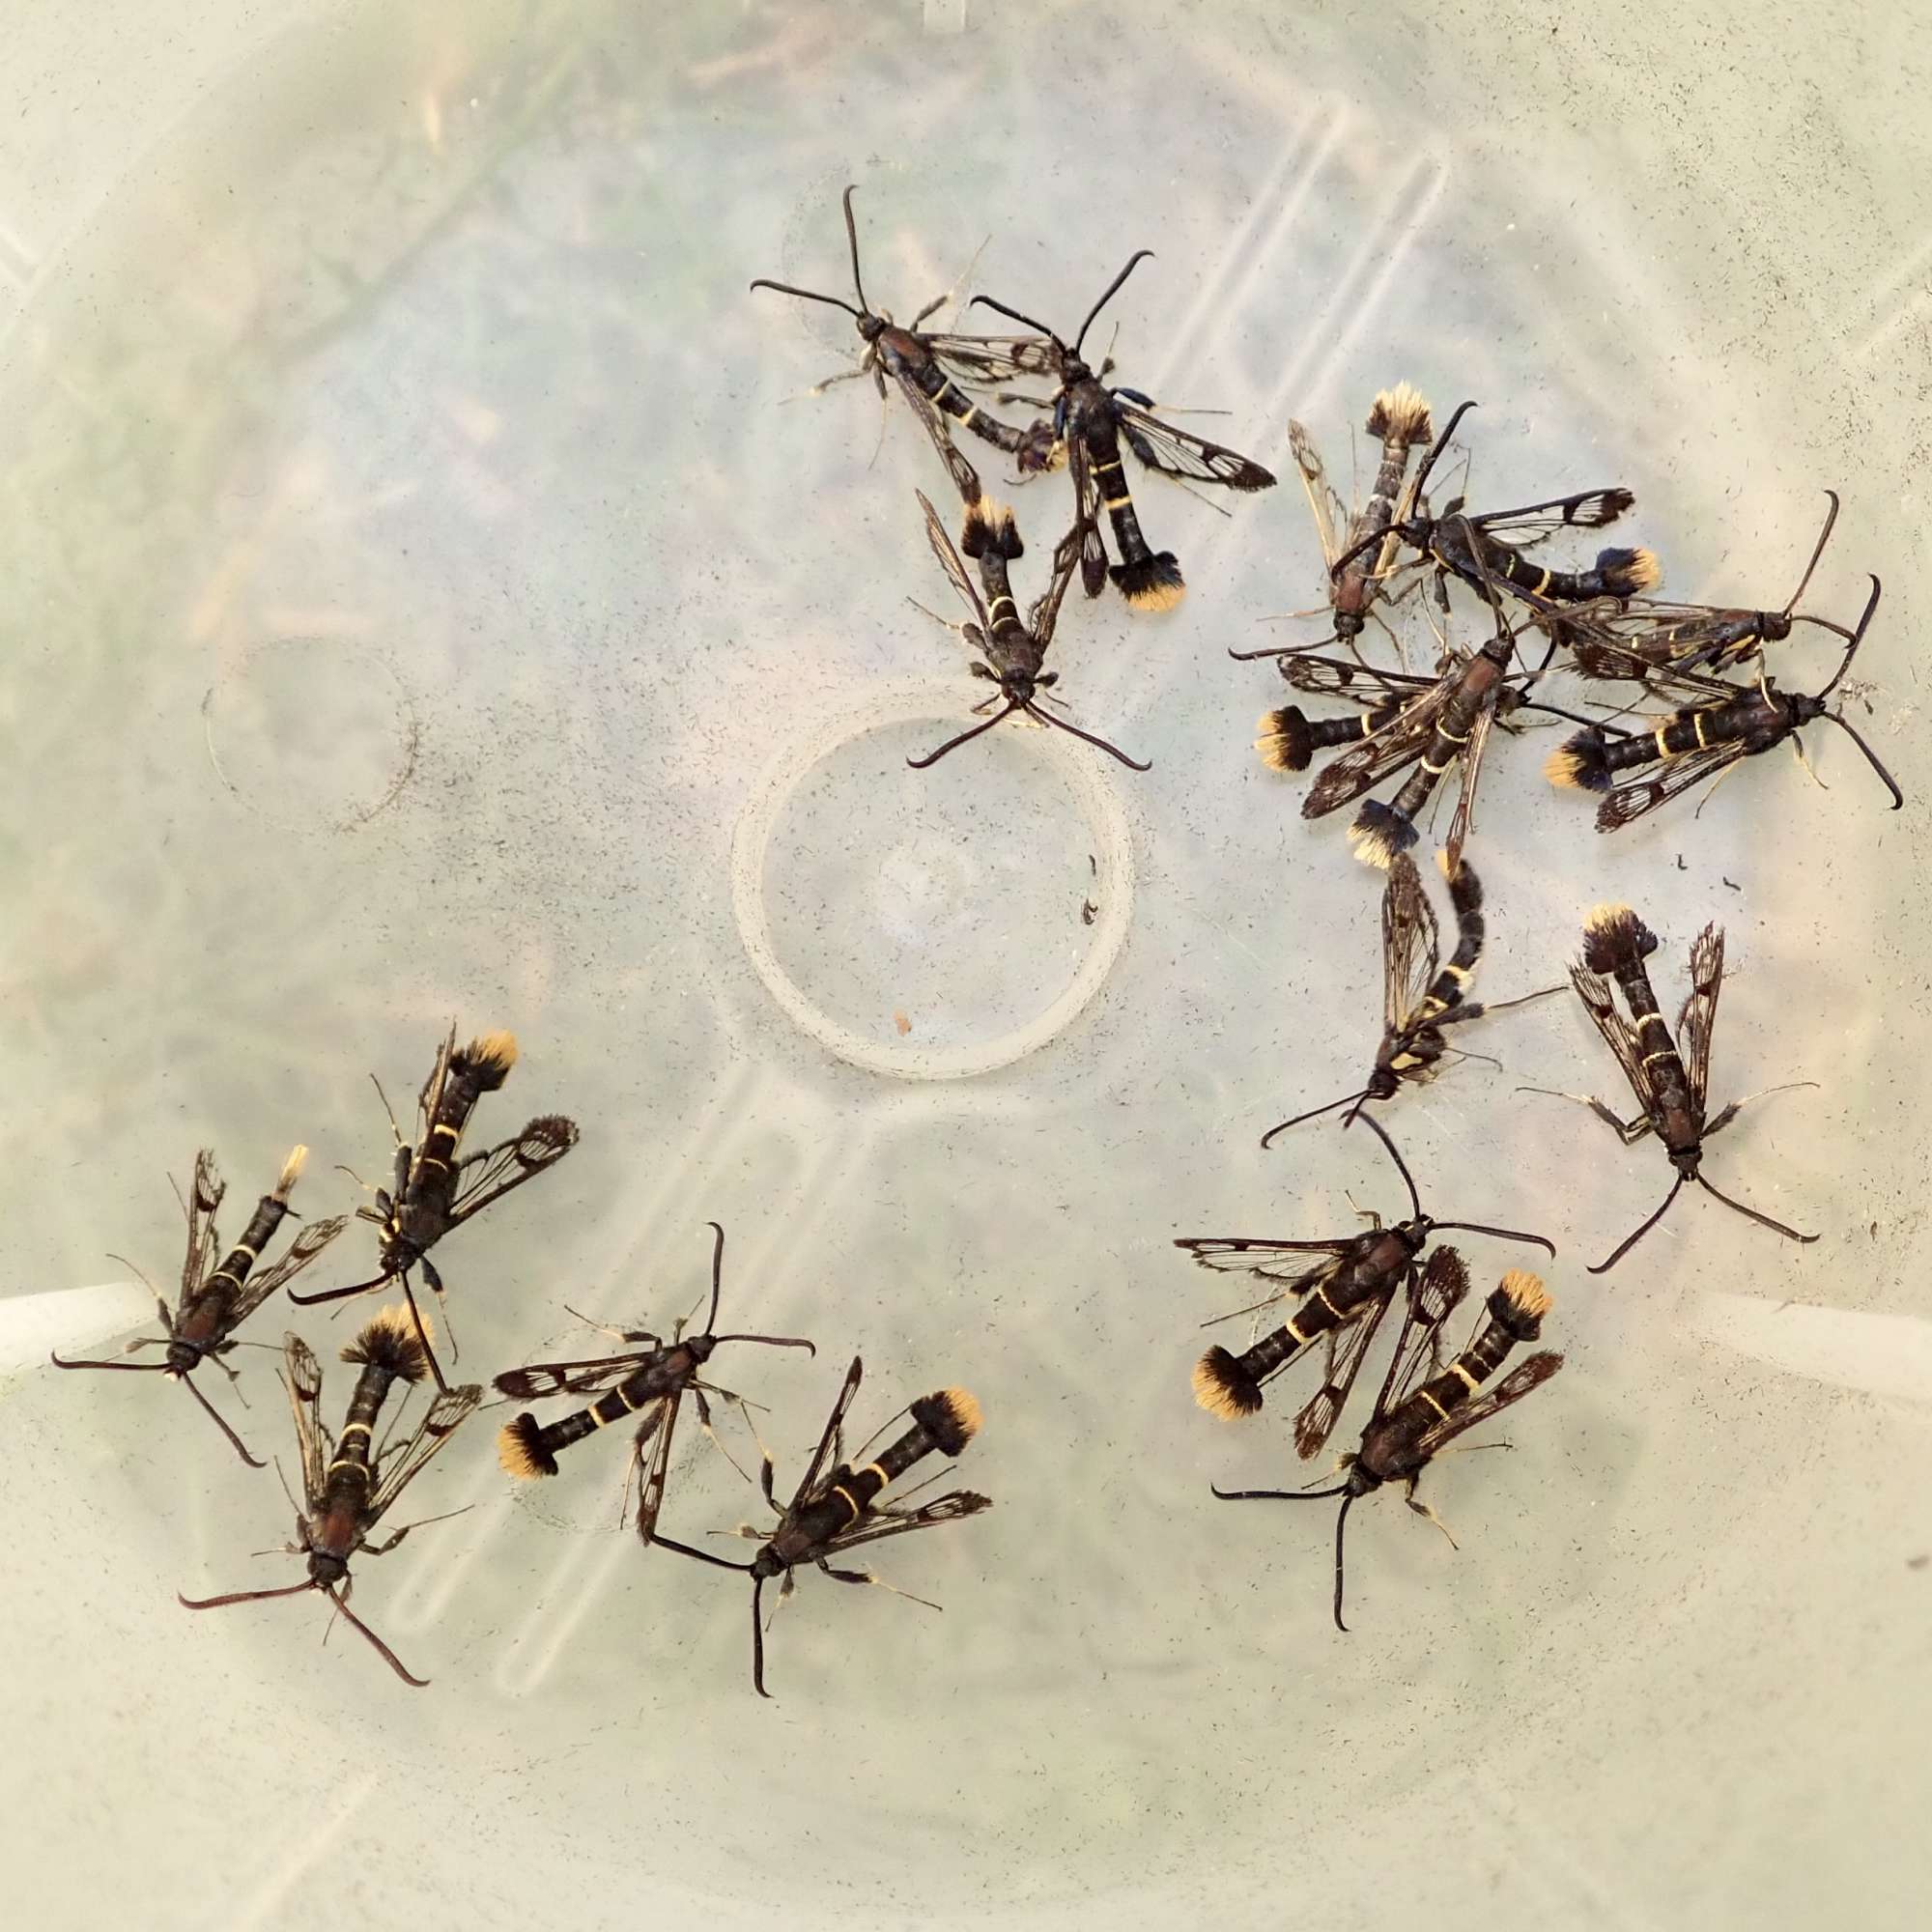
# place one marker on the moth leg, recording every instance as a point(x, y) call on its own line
point(1798, 745)
point(831, 382)
point(382, 1549)
point(867, 1576)
point(711, 1434)
point(1730, 1113)
point(1630, 1133)
point(388, 1110)
point(1423, 1510)
point(1030, 402)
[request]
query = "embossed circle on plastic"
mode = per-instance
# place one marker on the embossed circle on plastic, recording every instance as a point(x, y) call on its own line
point(311, 732)
point(941, 924)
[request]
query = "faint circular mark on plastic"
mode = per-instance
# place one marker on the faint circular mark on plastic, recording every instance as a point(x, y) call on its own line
point(906, 891)
point(311, 732)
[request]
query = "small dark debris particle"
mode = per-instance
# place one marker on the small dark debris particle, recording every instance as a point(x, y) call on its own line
point(1916, 1562)
point(1088, 911)
point(1092, 866)
point(1732, 883)
point(1681, 866)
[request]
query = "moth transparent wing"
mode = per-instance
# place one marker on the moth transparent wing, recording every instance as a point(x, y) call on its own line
point(1631, 802)
point(1330, 514)
point(949, 1508)
point(1698, 1020)
point(405, 1460)
point(654, 1433)
point(430, 1097)
point(204, 1192)
point(940, 539)
point(824, 1453)
point(1173, 452)
point(301, 1375)
point(583, 1378)
point(263, 1282)
point(1347, 1350)
point(1465, 798)
point(1399, 742)
point(1086, 511)
point(965, 478)
point(1411, 944)
point(1045, 612)
point(1436, 1293)
point(1594, 990)
point(982, 360)
point(1514, 1386)
point(542, 1144)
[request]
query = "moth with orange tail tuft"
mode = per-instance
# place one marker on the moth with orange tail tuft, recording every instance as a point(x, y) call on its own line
point(1418, 1413)
point(836, 1507)
point(436, 1189)
point(1342, 1289)
point(1093, 421)
point(1669, 1076)
point(650, 1383)
point(348, 1484)
point(221, 1288)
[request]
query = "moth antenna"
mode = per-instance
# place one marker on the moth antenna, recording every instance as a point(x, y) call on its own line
point(1013, 315)
point(1751, 1214)
point(718, 1233)
point(966, 737)
point(1401, 1166)
point(1889, 783)
point(852, 236)
point(220, 1422)
point(1086, 737)
point(1341, 1522)
point(1282, 1127)
point(809, 295)
point(1630, 1241)
point(240, 1597)
point(383, 1650)
point(1817, 550)
point(1112, 287)
point(1502, 1235)
point(1429, 462)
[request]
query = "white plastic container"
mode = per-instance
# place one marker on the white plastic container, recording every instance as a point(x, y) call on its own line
point(424, 596)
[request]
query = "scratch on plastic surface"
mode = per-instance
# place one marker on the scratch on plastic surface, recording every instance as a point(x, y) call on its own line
point(264, 1907)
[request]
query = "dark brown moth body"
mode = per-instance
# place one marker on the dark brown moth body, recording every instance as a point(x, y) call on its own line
point(436, 1187)
point(217, 1295)
point(1490, 547)
point(649, 1383)
point(1399, 420)
point(1421, 998)
point(1342, 1289)
point(1415, 1418)
point(1011, 652)
point(1634, 642)
point(1093, 422)
point(347, 1485)
point(1669, 1073)
point(837, 1507)
point(928, 369)
point(1702, 741)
